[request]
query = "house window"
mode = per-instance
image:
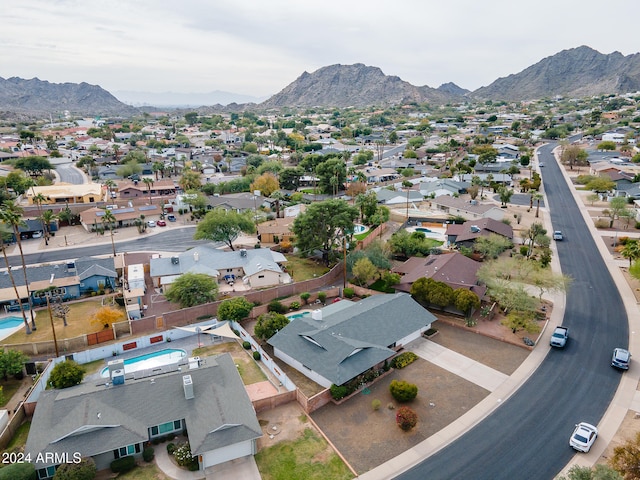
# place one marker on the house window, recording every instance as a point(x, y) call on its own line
point(126, 451)
point(45, 473)
point(260, 276)
point(91, 199)
point(166, 428)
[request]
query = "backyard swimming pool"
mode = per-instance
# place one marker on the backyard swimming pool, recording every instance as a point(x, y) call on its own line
point(150, 360)
point(424, 230)
point(298, 315)
point(357, 228)
point(11, 322)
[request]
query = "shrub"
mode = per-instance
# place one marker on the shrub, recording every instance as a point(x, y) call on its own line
point(276, 306)
point(523, 250)
point(305, 297)
point(66, 374)
point(294, 305)
point(171, 447)
point(375, 404)
point(406, 418)
point(338, 392)
point(122, 465)
point(246, 345)
point(348, 292)
point(183, 456)
point(601, 223)
point(83, 470)
point(256, 356)
point(148, 454)
point(403, 360)
point(18, 471)
point(322, 296)
point(403, 391)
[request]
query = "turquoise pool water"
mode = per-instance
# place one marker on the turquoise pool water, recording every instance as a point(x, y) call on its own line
point(359, 229)
point(11, 322)
point(298, 315)
point(423, 230)
point(150, 360)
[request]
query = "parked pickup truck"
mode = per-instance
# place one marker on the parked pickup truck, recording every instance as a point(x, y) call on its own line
point(559, 337)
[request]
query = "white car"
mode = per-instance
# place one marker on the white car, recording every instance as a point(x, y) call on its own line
point(583, 437)
point(151, 223)
point(557, 235)
point(37, 234)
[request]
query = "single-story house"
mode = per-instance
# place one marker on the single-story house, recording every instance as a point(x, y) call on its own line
point(277, 229)
point(443, 186)
point(397, 197)
point(117, 417)
point(67, 281)
point(239, 202)
point(467, 208)
point(158, 188)
point(256, 268)
point(345, 339)
point(91, 219)
point(468, 232)
point(66, 193)
point(454, 269)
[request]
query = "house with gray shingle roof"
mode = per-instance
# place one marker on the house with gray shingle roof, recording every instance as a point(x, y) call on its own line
point(256, 268)
point(342, 340)
point(468, 209)
point(108, 421)
point(67, 280)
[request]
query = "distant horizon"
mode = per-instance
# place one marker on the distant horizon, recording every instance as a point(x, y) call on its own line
point(257, 48)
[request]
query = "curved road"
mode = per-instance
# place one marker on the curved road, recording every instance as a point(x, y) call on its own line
point(527, 437)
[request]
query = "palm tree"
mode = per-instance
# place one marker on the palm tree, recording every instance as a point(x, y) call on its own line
point(4, 231)
point(537, 197)
point(149, 183)
point(39, 199)
point(110, 184)
point(631, 250)
point(11, 214)
point(109, 219)
point(47, 217)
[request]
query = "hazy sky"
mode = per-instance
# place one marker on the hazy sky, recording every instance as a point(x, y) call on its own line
point(257, 47)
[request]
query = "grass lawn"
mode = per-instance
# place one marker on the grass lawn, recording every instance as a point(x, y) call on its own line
point(144, 471)
point(304, 268)
point(78, 322)
point(308, 457)
point(20, 438)
point(247, 368)
point(9, 388)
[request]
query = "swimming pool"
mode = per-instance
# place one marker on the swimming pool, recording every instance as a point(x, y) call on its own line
point(11, 322)
point(423, 230)
point(298, 315)
point(150, 360)
point(357, 228)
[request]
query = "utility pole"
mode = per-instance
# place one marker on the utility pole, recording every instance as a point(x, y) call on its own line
point(344, 262)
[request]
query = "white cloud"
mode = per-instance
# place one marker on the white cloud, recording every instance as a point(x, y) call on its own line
point(257, 48)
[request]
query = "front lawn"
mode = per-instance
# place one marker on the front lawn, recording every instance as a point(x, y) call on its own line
point(309, 457)
point(78, 323)
point(144, 471)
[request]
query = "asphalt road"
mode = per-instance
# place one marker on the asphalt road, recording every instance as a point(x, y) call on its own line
point(528, 436)
point(174, 240)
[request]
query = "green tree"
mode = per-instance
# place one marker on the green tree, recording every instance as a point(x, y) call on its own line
point(83, 470)
point(492, 245)
point(390, 279)
point(505, 195)
point(11, 215)
point(149, 183)
point(221, 225)
point(466, 301)
point(364, 271)
point(322, 226)
point(486, 153)
point(266, 184)
point(191, 289)
point(18, 471)
point(66, 374)
point(269, 324)
point(573, 155)
point(34, 165)
point(332, 174)
point(607, 145)
point(129, 169)
point(367, 203)
point(600, 184)
point(631, 251)
point(190, 180)
point(626, 458)
point(534, 234)
point(191, 118)
point(12, 363)
point(617, 209)
point(234, 309)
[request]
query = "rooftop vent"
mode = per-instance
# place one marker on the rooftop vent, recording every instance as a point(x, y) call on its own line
point(175, 260)
point(316, 314)
point(196, 256)
point(187, 384)
point(243, 252)
point(475, 229)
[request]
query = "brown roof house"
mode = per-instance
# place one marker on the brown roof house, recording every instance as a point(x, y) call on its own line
point(454, 269)
point(467, 233)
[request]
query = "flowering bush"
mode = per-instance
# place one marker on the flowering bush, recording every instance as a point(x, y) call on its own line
point(184, 457)
point(406, 418)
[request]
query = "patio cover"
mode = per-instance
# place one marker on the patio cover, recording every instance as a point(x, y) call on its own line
point(223, 330)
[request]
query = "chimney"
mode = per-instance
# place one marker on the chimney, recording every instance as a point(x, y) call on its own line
point(187, 384)
point(316, 314)
point(196, 256)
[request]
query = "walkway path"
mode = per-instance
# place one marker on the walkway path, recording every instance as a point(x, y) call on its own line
point(464, 367)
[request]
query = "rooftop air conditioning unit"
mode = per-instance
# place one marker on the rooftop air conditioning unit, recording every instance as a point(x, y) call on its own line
point(243, 252)
point(117, 377)
point(175, 260)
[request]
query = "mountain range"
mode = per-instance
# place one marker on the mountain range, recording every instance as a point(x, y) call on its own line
point(576, 72)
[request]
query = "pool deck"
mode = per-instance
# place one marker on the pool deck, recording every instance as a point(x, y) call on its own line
point(7, 332)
